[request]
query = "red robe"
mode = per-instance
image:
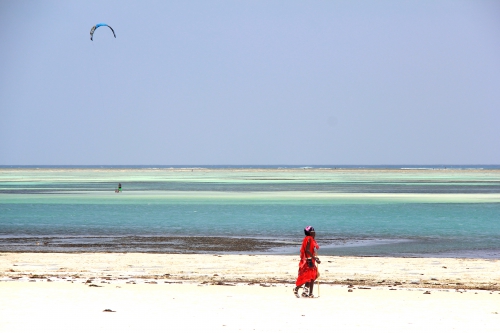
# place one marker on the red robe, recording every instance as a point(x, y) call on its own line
point(307, 273)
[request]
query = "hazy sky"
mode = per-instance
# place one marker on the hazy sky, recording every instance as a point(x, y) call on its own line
point(250, 82)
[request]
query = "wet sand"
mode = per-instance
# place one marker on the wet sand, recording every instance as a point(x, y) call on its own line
point(206, 292)
point(143, 244)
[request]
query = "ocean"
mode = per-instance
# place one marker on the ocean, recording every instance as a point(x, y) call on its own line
point(398, 211)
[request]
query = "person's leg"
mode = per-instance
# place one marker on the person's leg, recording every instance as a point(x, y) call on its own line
point(311, 284)
point(305, 293)
point(296, 290)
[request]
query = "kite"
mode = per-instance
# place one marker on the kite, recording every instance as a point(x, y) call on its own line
point(97, 26)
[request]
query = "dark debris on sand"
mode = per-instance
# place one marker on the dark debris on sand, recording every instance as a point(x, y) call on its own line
point(164, 244)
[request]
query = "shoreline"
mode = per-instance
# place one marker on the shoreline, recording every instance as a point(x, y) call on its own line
point(143, 244)
point(232, 245)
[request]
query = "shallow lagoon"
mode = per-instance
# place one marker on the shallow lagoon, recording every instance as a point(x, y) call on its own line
point(394, 212)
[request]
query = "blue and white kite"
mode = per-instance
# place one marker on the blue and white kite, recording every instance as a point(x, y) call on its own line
point(97, 26)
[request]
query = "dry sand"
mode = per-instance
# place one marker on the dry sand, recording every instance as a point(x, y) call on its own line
point(56, 292)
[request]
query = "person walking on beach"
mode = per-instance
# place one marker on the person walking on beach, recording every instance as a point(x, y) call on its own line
point(308, 271)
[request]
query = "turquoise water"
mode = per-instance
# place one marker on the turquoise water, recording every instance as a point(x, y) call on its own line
point(393, 211)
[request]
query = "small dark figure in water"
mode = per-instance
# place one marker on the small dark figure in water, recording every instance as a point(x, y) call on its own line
point(119, 188)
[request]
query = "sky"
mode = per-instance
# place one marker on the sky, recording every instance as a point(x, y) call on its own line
point(250, 82)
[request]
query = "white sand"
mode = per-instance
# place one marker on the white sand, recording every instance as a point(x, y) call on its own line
point(69, 304)
point(374, 271)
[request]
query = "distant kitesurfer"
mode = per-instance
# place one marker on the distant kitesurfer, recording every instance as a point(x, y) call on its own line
point(308, 271)
point(119, 189)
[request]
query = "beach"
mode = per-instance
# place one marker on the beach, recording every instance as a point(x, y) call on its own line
point(223, 292)
point(216, 249)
